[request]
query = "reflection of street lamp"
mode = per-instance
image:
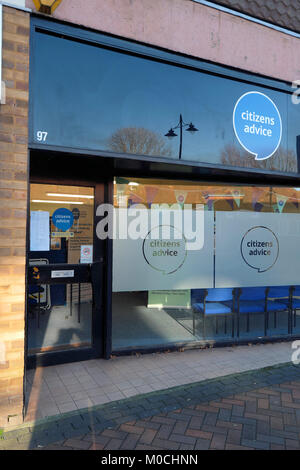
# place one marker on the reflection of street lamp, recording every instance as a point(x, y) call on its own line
point(191, 128)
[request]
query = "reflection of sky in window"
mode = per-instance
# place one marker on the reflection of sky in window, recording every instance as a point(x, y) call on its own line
point(96, 92)
point(293, 123)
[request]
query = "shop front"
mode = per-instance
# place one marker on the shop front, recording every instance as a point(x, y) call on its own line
point(159, 186)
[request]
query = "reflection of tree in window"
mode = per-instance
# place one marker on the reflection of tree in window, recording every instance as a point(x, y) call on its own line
point(138, 140)
point(282, 160)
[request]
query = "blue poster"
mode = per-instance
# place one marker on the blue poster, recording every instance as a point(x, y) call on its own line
point(257, 124)
point(63, 219)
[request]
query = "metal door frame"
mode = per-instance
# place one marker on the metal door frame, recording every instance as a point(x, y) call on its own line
point(95, 272)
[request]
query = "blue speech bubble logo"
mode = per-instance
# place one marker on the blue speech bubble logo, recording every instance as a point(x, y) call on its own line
point(257, 124)
point(63, 219)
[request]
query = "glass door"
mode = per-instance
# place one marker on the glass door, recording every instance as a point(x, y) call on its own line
point(60, 269)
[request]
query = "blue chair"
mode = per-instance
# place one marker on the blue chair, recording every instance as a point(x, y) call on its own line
point(292, 302)
point(254, 300)
point(283, 294)
point(211, 302)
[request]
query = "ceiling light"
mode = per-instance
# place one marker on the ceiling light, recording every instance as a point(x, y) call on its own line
point(70, 195)
point(57, 202)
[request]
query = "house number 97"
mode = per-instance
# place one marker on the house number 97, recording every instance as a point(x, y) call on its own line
point(41, 136)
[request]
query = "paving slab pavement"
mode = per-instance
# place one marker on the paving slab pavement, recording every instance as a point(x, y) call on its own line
point(256, 409)
point(70, 387)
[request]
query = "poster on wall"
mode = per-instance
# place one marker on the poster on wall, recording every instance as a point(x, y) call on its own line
point(83, 232)
point(62, 221)
point(39, 231)
point(163, 255)
point(255, 249)
point(169, 299)
point(80, 246)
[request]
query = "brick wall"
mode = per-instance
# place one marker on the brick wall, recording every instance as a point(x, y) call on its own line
point(13, 202)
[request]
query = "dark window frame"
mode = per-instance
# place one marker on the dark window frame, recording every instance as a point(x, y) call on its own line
point(101, 324)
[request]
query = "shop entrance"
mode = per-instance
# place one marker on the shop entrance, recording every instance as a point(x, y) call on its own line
point(64, 278)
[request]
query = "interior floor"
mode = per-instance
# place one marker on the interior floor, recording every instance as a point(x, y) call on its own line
point(56, 328)
point(135, 325)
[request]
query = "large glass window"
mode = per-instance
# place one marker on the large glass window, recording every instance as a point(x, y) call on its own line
point(90, 97)
point(238, 238)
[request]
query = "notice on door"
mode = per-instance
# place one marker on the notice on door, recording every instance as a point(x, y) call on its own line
point(39, 231)
point(62, 274)
point(86, 254)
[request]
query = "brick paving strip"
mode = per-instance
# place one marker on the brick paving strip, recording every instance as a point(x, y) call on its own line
point(257, 409)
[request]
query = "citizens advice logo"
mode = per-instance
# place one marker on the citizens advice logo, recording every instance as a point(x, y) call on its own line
point(260, 248)
point(166, 250)
point(257, 124)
